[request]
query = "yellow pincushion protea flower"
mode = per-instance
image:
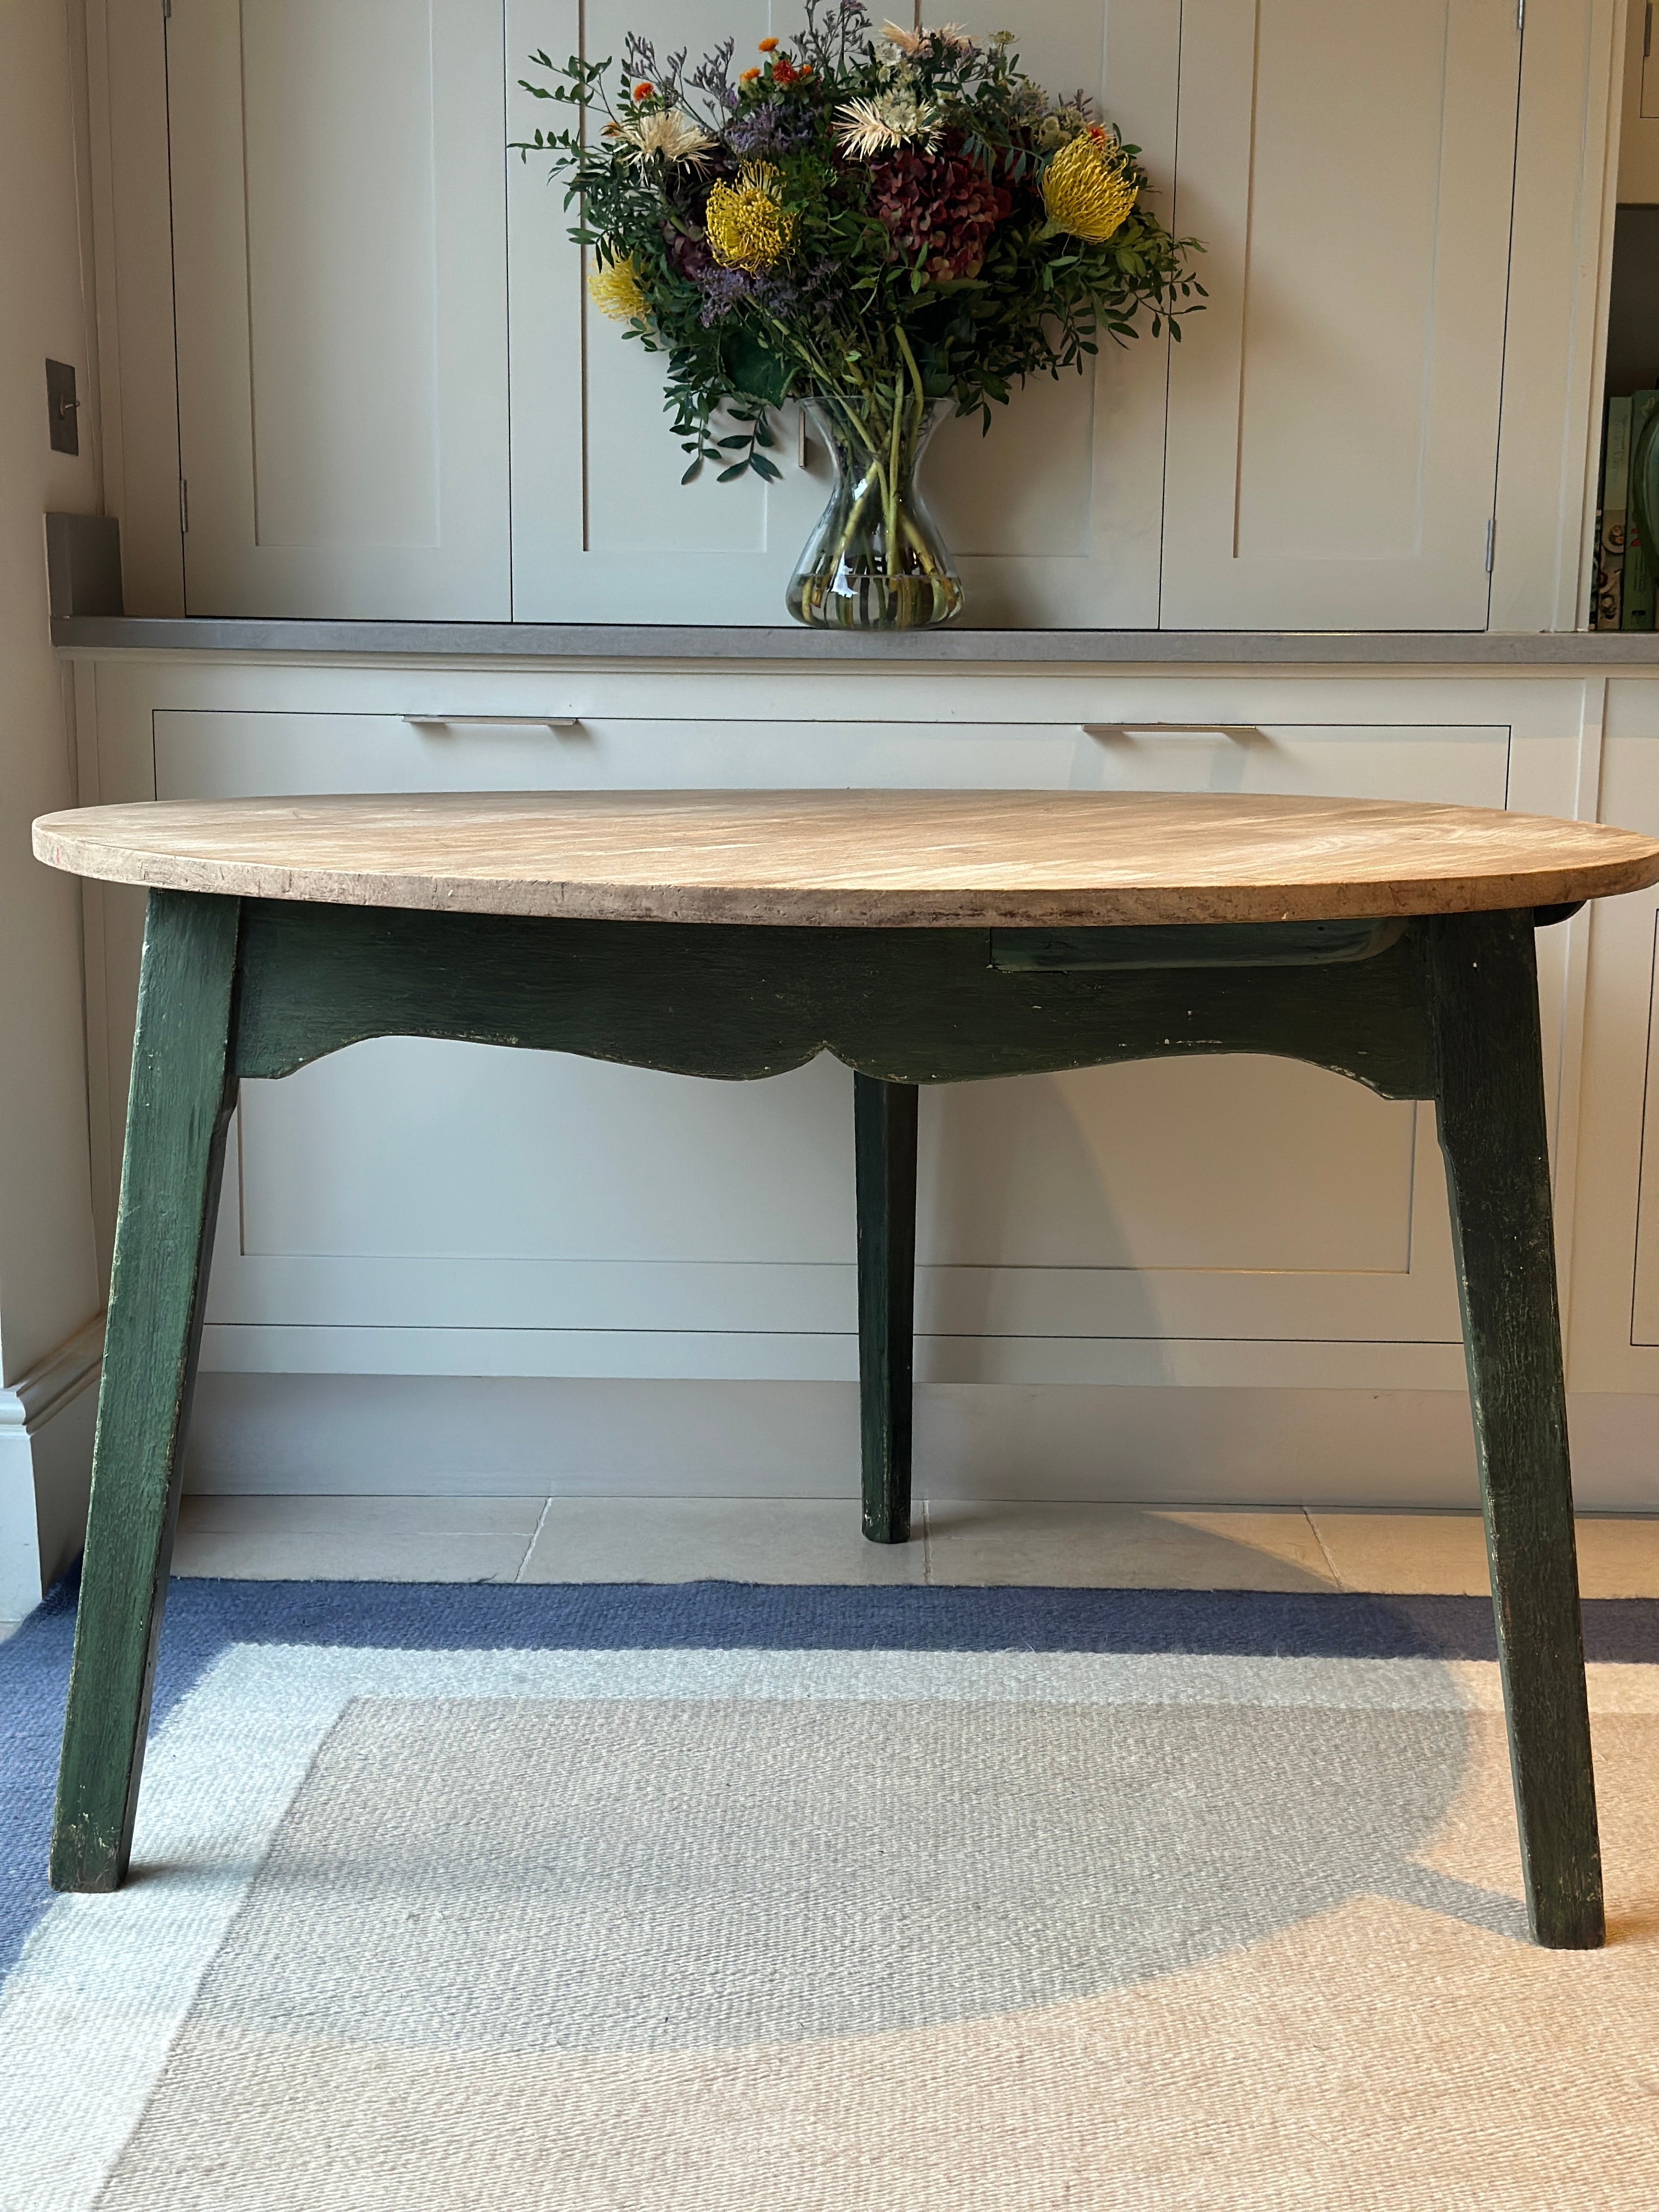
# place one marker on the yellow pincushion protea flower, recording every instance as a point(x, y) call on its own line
point(748, 227)
point(1089, 187)
point(615, 291)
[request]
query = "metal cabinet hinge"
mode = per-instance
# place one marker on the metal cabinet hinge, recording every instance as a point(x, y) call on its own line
point(1491, 541)
point(184, 507)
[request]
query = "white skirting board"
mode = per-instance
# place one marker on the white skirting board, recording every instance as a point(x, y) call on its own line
point(532, 1435)
point(46, 1421)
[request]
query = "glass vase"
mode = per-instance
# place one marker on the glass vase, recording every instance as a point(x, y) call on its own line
point(876, 560)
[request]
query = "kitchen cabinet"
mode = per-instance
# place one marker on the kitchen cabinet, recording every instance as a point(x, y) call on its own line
point(395, 397)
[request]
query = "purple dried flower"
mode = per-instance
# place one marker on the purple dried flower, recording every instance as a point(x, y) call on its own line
point(770, 128)
point(725, 289)
point(713, 75)
point(722, 289)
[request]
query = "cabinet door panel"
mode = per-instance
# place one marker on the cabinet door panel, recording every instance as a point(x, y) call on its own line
point(1644, 1311)
point(339, 259)
point(1053, 518)
point(568, 1160)
point(1614, 1310)
point(1639, 139)
point(1255, 1165)
point(1332, 430)
point(1619, 1160)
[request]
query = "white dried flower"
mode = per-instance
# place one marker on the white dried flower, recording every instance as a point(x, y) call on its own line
point(954, 37)
point(868, 127)
point(902, 42)
point(670, 133)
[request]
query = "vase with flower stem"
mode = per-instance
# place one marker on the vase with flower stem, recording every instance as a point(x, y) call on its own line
point(876, 560)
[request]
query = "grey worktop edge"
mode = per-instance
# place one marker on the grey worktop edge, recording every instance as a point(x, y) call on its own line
point(1094, 649)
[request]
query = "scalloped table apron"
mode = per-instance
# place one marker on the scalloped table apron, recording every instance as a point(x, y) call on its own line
point(921, 937)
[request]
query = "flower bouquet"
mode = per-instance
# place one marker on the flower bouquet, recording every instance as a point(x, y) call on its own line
point(887, 225)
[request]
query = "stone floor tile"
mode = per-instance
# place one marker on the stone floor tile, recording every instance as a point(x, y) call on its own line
point(1092, 1546)
point(205, 1513)
point(1406, 1554)
point(1618, 1557)
point(339, 1555)
point(746, 1539)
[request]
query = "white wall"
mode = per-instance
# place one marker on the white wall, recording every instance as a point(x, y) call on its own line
point(48, 1281)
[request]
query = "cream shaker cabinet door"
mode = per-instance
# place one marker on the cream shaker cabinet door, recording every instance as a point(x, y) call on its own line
point(1614, 1315)
point(1332, 430)
point(1052, 518)
point(339, 258)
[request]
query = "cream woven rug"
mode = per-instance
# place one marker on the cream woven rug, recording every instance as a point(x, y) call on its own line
point(733, 1930)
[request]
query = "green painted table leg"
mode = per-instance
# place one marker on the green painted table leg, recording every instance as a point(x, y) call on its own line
point(884, 1129)
point(180, 1103)
point(1482, 1002)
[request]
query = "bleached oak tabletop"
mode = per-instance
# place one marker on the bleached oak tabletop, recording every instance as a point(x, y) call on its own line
point(859, 859)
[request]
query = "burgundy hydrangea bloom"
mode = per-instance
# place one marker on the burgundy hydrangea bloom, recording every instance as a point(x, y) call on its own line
point(938, 204)
point(689, 255)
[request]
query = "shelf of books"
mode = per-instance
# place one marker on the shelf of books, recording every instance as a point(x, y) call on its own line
point(1627, 558)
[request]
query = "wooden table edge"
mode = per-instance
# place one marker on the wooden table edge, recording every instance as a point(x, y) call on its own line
point(852, 906)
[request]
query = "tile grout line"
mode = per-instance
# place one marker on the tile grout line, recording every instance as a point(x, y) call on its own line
point(1324, 1549)
point(541, 1520)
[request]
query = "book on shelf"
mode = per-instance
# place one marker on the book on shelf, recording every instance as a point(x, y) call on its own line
point(1640, 560)
point(1615, 481)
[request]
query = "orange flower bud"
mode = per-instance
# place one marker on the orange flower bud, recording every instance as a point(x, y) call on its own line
point(643, 91)
point(747, 76)
point(767, 46)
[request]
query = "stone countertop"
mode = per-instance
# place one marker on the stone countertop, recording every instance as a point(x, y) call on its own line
point(245, 637)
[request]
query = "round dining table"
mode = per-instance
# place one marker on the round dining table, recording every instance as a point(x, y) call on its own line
point(920, 937)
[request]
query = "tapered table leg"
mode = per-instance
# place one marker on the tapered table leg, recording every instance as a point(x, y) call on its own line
point(885, 1123)
point(180, 1103)
point(1483, 999)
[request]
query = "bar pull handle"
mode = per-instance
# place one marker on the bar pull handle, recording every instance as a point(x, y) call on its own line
point(493, 721)
point(1239, 733)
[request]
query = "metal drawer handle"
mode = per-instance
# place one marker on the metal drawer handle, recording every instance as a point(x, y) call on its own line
point(1239, 733)
point(493, 721)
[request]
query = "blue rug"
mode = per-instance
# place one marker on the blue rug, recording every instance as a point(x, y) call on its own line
point(653, 1896)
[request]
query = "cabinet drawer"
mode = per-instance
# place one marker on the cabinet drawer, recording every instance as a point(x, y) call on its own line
point(205, 753)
